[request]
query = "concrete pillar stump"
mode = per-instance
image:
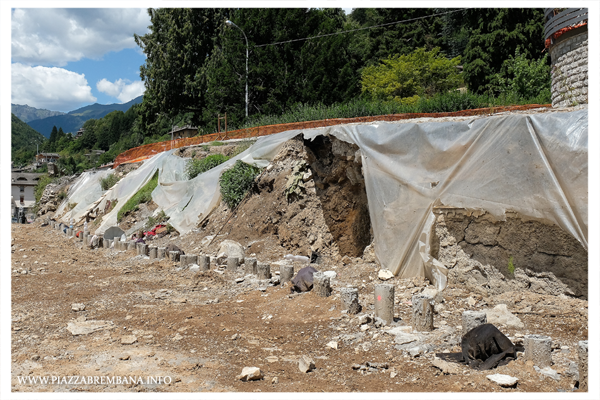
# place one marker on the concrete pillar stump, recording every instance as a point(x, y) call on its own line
point(582, 350)
point(143, 249)
point(422, 313)
point(321, 284)
point(131, 245)
point(384, 302)
point(250, 265)
point(263, 271)
point(161, 253)
point(286, 273)
point(204, 262)
point(192, 259)
point(472, 319)
point(153, 252)
point(538, 348)
point(174, 256)
point(233, 263)
point(350, 300)
point(106, 243)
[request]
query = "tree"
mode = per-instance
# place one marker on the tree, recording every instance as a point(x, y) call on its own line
point(176, 50)
point(420, 73)
point(494, 36)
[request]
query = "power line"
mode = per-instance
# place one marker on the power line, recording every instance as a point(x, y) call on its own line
point(361, 29)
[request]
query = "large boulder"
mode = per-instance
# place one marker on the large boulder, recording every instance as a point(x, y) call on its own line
point(230, 248)
point(113, 232)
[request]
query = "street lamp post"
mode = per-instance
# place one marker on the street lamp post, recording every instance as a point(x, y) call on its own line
point(228, 22)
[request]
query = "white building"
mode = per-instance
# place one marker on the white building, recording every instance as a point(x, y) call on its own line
point(22, 192)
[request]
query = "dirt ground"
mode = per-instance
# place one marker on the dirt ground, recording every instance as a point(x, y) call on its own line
point(202, 329)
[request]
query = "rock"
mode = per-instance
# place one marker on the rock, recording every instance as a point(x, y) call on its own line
point(250, 374)
point(346, 260)
point(275, 380)
point(77, 307)
point(176, 338)
point(416, 351)
point(437, 295)
point(306, 364)
point(333, 344)
point(272, 359)
point(393, 374)
point(235, 336)
point(331, 274)
point(85, 327)
point(446, 367)
point(364, 328)
point(385, 274)
point(503, 380)
point(369, 254)
point(549, 372)
point(404, 338)
point(500, 315)
point(239, 280)
point(194, 268)
point(35, 357)
point(129, 339)
point(364, 319)
point(125, 357)
point(471, 301)
point(232, 249)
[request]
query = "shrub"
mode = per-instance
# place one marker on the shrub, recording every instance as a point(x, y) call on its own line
point(523, 78)
point(194, 168)
point(153, 221)
point(420, 73)
point(236, 182)
point(143, 195)
point(109, 181)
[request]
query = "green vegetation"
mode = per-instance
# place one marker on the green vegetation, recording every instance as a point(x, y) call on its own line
point(24, 142)
point(108, 182)
point(41, 186)
point(160, 218)
point(143, 195)
point(406, 78)
point(511, 266)
point(236, 182)
point(194, 168)
point(242, 146)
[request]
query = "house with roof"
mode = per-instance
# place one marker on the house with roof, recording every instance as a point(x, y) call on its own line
point(23, 192)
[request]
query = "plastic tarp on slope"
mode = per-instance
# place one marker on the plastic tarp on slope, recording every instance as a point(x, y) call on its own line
point(535, 165)
point(85, 191)
point(130, 185)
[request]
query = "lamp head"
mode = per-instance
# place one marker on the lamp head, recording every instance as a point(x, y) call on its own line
point(229, 23)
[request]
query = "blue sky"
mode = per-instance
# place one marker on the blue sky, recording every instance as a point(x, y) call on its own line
point(63, 59)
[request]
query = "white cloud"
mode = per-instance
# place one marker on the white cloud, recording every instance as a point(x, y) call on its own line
point(50, 88)
point(58, 36)
point(122, 89)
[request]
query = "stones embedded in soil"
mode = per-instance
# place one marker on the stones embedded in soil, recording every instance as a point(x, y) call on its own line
point(306, 364)
point(503, 380)
point(250, 374)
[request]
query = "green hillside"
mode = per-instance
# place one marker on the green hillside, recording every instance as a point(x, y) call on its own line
point(72, 121)
point(23, 141)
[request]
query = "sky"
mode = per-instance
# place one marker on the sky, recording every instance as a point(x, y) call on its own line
point(63, 59)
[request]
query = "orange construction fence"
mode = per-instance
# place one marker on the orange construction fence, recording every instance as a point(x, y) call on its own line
point(146, 151)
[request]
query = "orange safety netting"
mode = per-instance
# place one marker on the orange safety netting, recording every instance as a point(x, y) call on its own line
point(562, 31)
point(146, 151)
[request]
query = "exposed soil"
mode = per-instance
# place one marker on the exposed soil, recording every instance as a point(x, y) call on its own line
point(182, 332)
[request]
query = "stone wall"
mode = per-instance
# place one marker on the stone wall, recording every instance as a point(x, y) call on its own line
point(569, 55)
point(490, 257)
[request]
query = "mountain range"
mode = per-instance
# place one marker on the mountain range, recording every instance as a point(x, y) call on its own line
point(69, 122)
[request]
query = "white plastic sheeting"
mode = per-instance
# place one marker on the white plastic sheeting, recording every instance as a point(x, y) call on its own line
point(535, 165)
point(130, 185)
point(84, 191)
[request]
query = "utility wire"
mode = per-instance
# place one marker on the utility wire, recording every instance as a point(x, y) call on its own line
point(361, 29)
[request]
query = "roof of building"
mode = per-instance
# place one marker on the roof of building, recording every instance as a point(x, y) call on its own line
point(49, 154)
point(24, 178)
